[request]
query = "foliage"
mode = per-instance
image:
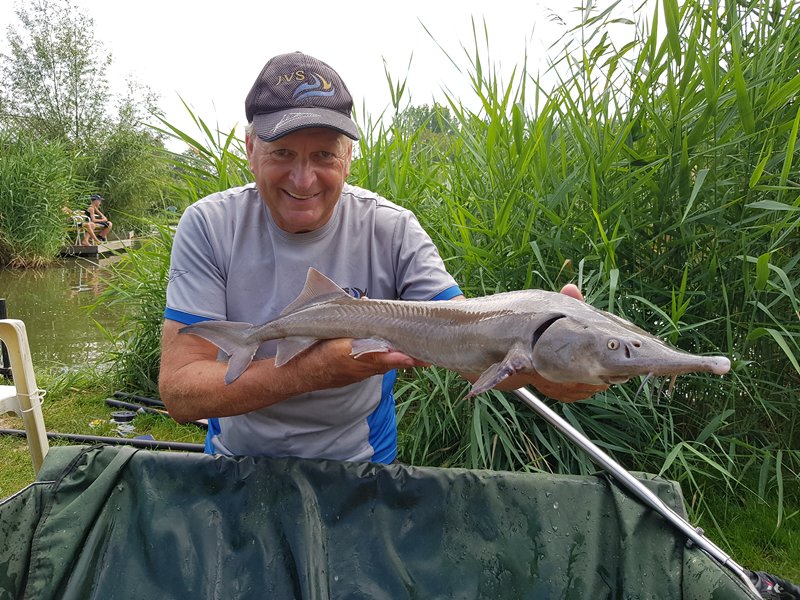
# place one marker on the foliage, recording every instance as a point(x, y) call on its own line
point(435, 118)
point(55, 81)
point(127, 164)
point(54, 91)
point(36, 179)
point(139, 282)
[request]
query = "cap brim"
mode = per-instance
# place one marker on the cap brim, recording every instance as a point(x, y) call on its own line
point(271, 126)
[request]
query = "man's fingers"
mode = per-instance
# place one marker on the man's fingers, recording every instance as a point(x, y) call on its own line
point(572, 290)
point(389, 360)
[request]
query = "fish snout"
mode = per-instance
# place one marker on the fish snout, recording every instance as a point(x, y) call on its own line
point(632, 355)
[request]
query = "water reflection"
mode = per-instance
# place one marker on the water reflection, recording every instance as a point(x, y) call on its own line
point(52, 303)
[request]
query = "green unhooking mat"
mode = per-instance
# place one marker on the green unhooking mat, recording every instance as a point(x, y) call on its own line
point(116, 523)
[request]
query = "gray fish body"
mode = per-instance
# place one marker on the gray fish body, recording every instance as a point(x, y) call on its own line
point(561, 338)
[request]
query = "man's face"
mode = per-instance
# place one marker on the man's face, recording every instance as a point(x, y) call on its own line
point(300, 176)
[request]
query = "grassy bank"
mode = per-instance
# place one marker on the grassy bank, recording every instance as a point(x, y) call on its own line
point(79, 411)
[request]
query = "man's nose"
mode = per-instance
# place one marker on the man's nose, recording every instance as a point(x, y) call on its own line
point(303, 175)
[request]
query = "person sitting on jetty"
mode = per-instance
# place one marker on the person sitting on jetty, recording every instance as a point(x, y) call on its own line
point(80, 221)
point(98, 219)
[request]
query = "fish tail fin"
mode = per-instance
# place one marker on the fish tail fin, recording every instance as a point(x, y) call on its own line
point(233, 338)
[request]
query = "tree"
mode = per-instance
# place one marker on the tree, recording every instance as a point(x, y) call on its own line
point(436, 118)
point(54, 79)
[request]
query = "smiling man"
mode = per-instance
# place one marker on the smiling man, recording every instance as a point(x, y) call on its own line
point(243, 254)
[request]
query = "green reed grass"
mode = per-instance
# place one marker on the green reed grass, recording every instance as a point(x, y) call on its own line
point(213, 162)
point(139, 281)
point(36, 180)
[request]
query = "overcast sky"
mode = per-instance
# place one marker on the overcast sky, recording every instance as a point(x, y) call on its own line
point(211, 52)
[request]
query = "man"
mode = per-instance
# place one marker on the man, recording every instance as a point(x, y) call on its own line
point(243, 254)
point(97, 219)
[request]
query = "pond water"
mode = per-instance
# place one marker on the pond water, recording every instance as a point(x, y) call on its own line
point(53, 304)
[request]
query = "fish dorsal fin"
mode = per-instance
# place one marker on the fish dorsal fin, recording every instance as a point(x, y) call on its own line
point(318, 288)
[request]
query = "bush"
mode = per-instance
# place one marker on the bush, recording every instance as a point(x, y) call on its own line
point(37, 179)
point(129, 170)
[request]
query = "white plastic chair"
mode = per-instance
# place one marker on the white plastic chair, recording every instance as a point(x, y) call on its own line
point(23, 398)
point(78, 219)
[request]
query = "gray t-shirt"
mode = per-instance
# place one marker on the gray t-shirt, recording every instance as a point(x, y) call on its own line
point(231, 262)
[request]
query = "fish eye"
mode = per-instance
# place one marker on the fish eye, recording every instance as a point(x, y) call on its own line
point(613, 344)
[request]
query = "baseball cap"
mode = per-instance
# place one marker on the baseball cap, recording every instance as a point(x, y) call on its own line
point(296, 91)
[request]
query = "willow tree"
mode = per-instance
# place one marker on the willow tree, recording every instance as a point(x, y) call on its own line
point(54, 80)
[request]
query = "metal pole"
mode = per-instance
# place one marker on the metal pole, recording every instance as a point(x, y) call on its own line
point(636, 487)
point(5, 369)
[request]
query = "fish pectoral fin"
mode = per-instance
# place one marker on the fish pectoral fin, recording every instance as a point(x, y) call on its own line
point(368, 345)
point(290, 347)
point(515, 362)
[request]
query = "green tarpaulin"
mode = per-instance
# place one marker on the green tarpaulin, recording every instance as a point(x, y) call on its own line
point(113, 522)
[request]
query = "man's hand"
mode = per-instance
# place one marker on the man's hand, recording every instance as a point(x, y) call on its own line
point(341, 368)
point(572, 290)
point(564, 392)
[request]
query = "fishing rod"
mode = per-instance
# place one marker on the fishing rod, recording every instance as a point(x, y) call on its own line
point(636, 487)
point(137, 408)
point(140, 399)
point(113, 441)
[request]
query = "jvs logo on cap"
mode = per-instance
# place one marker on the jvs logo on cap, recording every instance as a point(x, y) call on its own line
point(313, 85)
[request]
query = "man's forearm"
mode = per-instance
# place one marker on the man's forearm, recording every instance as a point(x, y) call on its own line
point(197, 390)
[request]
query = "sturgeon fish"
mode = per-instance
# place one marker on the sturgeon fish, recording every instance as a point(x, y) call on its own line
point(563, 339)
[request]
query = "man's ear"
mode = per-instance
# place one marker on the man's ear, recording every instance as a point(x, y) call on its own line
point(250, 147)
point(348, 158)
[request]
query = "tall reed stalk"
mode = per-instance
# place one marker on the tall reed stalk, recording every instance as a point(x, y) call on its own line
point(36, 180)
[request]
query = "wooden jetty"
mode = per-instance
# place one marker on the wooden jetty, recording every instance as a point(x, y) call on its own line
point(109, 247)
